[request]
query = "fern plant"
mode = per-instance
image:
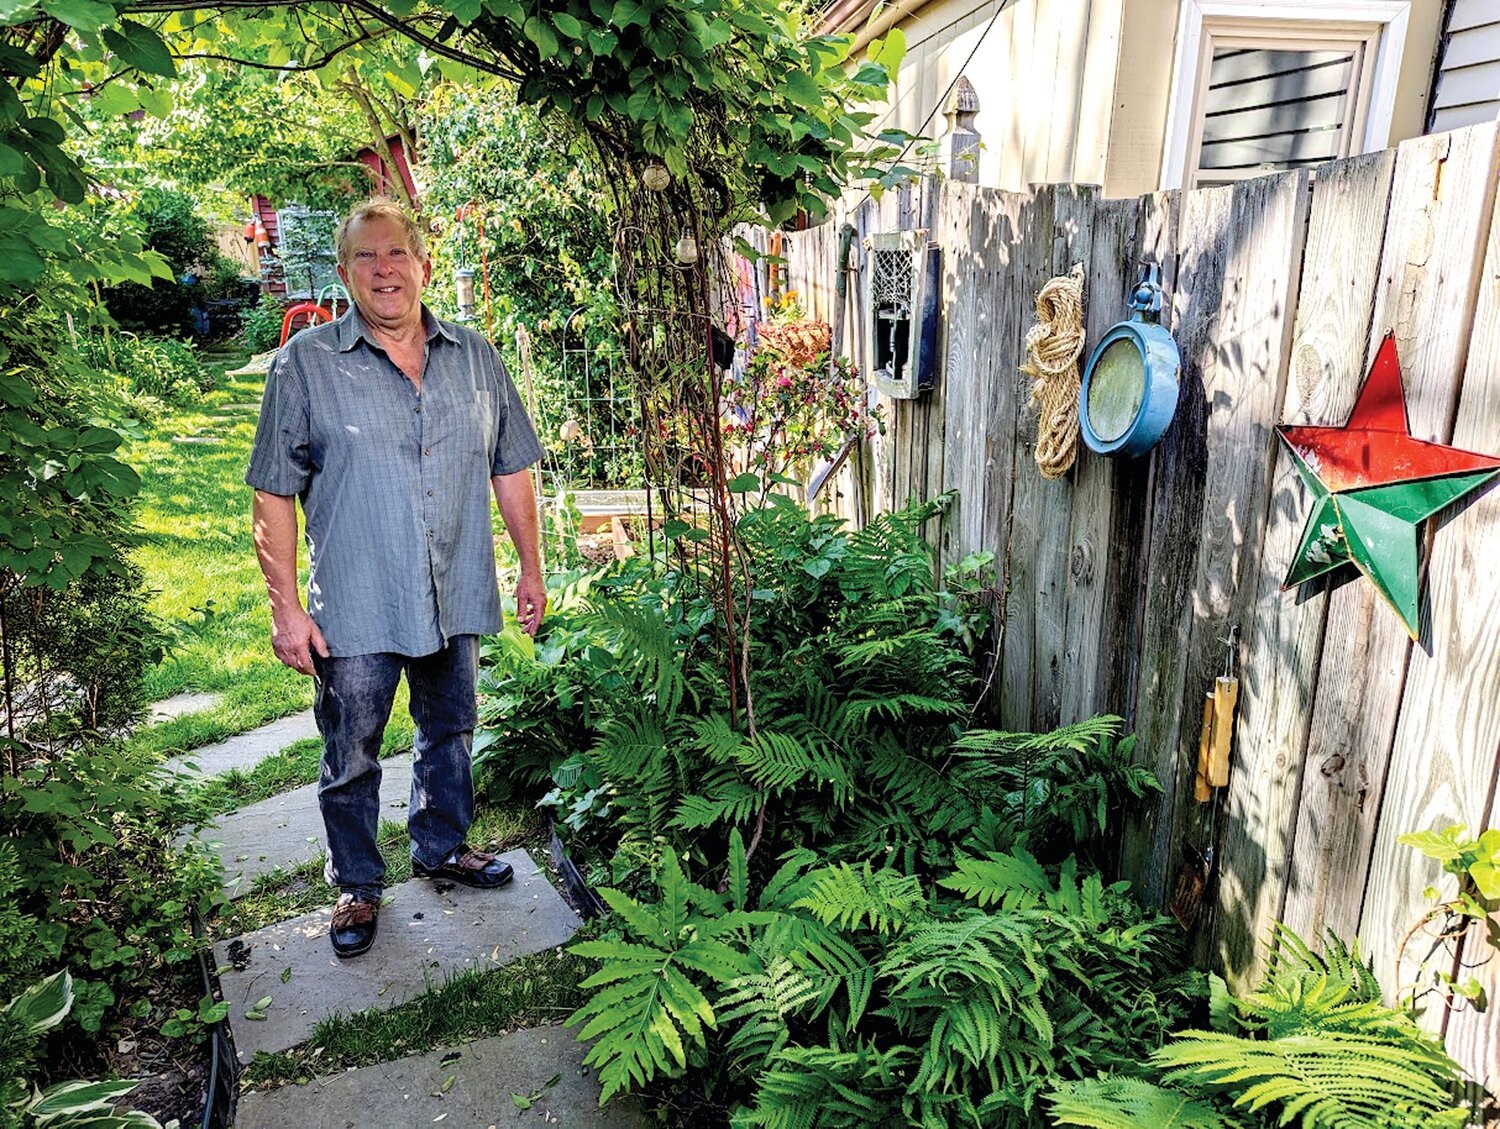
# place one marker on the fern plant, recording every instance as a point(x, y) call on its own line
point(861, 995)
point(1313, 1046)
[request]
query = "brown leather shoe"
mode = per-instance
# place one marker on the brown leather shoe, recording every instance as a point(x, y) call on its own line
point(353, 928)
point(467, 867)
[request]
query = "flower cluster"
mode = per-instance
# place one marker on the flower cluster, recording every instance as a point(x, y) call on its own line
point(790, 407)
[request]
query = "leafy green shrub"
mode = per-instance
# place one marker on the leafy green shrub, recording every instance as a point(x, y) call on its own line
point(159, 367)
point(850, 996)
point(65, 1105)
point(260, 329)
point(929, 949)
point(861, 675)
point(99, 887)
point(1314, 1046)
point(171, 226)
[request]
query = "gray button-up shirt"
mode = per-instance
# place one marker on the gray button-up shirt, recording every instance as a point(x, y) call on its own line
point(395, 485)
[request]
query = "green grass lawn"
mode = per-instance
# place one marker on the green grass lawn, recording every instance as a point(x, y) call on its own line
point(199, 560)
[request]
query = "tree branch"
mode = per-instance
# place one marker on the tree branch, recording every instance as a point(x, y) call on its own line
point(374, 11)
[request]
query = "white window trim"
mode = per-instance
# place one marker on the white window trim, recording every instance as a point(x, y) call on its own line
point(1391, 15)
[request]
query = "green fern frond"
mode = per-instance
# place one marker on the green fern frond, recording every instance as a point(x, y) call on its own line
point(1012, 881)
point(807, 1087)
point(879, 899)
point(1308, 993)
point(1335, 1080)
point(731, 801)
point(779, 761)
point(1130, 1103)
point(648, 1007)
point(640, 635)
point(759, 1007)
point(716, 738)
point(858, 713)
point(831, 963)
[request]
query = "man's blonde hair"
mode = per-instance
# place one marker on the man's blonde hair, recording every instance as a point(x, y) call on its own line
point(380, 209)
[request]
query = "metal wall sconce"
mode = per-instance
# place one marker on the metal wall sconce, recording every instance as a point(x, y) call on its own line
point(1129, 391)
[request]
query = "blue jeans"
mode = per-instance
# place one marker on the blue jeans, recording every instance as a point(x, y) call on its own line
point(352, 703)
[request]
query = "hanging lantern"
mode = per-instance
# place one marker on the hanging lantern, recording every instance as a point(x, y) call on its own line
point(463, 288)
point(686, 249)
point(656, 177)
point(1129, 391)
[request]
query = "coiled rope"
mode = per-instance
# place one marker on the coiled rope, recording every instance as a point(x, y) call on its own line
point(1053, 346)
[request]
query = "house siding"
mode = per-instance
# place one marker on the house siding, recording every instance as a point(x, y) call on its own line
point(1467, 90)
point(1075, 90)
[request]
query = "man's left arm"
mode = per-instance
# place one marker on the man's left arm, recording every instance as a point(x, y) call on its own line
point(517, 502)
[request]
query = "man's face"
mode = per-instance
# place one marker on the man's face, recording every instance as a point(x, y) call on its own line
point(384, 275)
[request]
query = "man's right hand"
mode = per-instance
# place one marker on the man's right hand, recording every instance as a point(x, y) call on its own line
point(294, 636)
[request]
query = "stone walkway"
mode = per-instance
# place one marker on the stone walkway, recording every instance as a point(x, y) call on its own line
point(282, 980)
point(248, 749)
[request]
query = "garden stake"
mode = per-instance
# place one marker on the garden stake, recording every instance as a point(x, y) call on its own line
point(1226, 694)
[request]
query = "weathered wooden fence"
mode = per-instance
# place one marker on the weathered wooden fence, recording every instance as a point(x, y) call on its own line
point(1123, 580)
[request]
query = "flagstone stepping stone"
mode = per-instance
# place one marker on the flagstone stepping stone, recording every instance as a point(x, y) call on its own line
point(180, 704)
point(287, 829)
point(257, 365)
point(428, 932)
point(485, 1074)
point(247, 750)
point(210, 439)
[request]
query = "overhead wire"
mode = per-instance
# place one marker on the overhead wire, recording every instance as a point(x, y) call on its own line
point(1000, 6)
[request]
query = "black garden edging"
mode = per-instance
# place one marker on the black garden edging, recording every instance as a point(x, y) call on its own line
point(223, 1071)
point(580, 894)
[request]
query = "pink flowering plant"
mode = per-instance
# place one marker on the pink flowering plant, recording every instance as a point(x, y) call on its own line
point(790, 410)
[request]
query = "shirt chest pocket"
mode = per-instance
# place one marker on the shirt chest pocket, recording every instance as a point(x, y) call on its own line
point(460, 419)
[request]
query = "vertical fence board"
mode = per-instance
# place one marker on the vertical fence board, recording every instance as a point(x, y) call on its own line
point(1072, 242)
point(1243, 363)
point(1442, 767)
point(1005, 290)
point(1002, 304)
point(1458, 687)
point(1283, 640)
point(1150, 855)
point(1129, 556)
point(1425, 291)
point(963, 407)
point(1029, 499)
point(1111, 270)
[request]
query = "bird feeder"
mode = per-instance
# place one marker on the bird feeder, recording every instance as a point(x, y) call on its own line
point(901, 312)
point(463, 292)
point(1129, 391)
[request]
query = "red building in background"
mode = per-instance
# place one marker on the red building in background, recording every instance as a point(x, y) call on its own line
point(380, 184)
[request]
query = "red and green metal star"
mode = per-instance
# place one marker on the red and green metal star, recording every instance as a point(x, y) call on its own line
point(1372, 485)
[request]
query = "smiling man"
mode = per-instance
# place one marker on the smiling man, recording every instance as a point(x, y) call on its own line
point(393, 428)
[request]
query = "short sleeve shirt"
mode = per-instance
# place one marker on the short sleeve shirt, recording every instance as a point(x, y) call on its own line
point(394, 482)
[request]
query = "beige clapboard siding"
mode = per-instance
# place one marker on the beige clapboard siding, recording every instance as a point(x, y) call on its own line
point(1044, 72)
point(1122, 579)
point(1467, 90)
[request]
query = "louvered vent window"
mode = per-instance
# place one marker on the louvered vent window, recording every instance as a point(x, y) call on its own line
point(1271, 110)
point(1276, 95)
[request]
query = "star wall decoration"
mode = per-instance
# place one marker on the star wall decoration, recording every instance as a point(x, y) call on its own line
point(1373, 485)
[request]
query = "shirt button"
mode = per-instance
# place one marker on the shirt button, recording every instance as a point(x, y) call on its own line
point(426, 450)
point(429, 493)
point(429, 535)
point(418, 409)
